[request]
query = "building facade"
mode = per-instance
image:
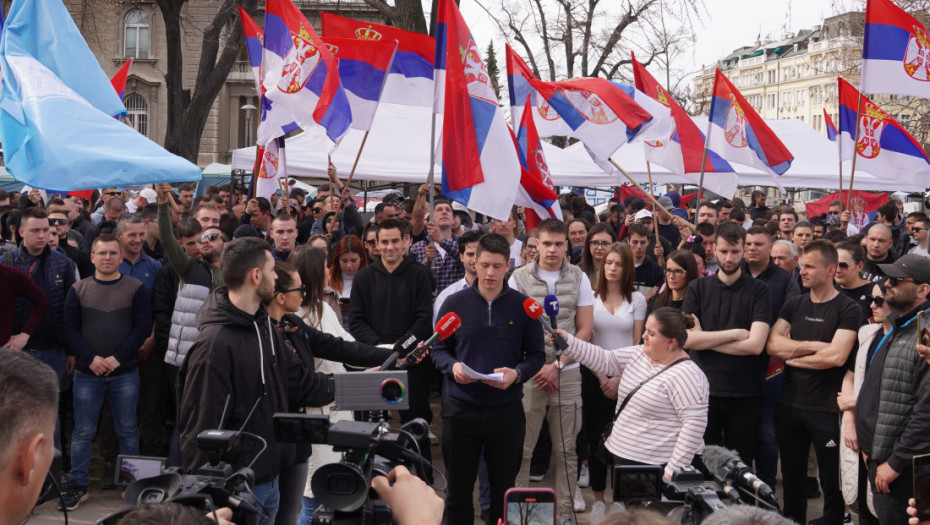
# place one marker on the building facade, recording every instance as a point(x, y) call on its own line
point(117, 30)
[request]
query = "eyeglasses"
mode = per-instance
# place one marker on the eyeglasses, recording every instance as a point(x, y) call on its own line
point(317, 210)
point(674, 271)
point(916, 229)
point(600, 244)
point(111, 193)
point(843, 265)
point(530, 247)
point(302, 289)
point(833, 213)
point(895, 281)
point(878, 300)
point(208, 237)
point(57, 222)
point(372, 242)
point(107, 254)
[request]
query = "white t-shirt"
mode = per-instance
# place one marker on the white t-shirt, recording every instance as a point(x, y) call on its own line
point(516, 260)
point(585, 292)
point(615, 330)
point(346, 286)
point(457, 286)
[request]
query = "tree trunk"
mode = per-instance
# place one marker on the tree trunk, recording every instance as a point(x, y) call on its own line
point(409, 16)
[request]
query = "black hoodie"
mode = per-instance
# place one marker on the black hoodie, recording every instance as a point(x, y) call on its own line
point(242, 356)
point(386, 305)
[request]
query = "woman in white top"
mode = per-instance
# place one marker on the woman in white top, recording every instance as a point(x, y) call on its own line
point(663, 423)
point(619, 315)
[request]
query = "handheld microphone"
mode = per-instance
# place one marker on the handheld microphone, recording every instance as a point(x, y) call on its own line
point(551, 305)
point(726, 465)
point(403, 347)
point(444, 328)
point(532, 309)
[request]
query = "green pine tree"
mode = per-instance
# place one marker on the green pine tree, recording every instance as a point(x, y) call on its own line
point(493, 70)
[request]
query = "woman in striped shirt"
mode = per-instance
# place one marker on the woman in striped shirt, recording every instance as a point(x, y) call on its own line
point(663, 422)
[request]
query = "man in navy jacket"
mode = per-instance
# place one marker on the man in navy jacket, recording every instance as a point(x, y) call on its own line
point(496, 336)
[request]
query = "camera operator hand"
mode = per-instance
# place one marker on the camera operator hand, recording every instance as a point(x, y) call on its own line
point(912, 512)
point(224, 516)
point(412, 501)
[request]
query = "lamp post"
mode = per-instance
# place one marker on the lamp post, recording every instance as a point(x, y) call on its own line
point(249, 109)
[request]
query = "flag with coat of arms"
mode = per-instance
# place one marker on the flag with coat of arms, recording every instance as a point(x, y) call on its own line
point(895, 52)
point(480, 166)
point(536, 192)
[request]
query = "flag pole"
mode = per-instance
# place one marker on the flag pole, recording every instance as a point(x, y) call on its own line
point(839, 151)
point(700, 195)
point(357, 157)
point(633, 181)
point(432, 160)
point(852, 175)
point(282, 168)
point(655, 219)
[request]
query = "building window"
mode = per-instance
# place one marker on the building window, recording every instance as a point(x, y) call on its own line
point(137, 112)
point(137, 34)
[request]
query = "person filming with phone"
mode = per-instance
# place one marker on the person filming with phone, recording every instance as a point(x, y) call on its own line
point(663, 395)
point(893, 407)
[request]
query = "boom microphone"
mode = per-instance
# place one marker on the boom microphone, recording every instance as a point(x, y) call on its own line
point(551, 305)
point(726, 465)
point(444, 328)
point(532, 309)
point(403, 347)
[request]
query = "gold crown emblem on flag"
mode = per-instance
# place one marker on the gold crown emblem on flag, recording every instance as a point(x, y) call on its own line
point(736, 107)
point(367, 33)
point(857, 203)
point(661, 97)
point(921, 35)
point(872, 111)
point(332, 48)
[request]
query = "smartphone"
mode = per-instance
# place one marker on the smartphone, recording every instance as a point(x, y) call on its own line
point(522, 506)
point(637, 482)
point(923, 327)
point(922, 486)
point(344, 300)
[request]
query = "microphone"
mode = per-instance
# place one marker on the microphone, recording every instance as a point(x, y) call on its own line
point(726, 465)
point(403, 347)
point(532, 309)
point(444, 328)
point(551, 305)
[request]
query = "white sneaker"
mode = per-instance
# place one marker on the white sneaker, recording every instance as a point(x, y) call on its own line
point(433, 439)
point(579, 503)
point(584, 477)
point(598, 511)
point(616, 507)
point(537, 477)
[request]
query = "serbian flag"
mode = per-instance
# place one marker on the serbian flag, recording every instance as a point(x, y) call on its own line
point(536, 192)
point(300, 80)
point(738, 134)
point(410, 80)
point(600, 115)
point(480, 166)
point(548, 122)
point(895, 52)
point(270, 169)
point(253, 44)
point(363, 69)
point(831, 128)
point(119, 79)
point(863, 205)
point(885, 148)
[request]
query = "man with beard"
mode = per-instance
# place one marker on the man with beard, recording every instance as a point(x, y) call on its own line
point(893, 407)
point(239, 355)
point(733, 311)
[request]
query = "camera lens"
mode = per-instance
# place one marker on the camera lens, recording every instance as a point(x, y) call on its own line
point(340, 486)
point(392, 390)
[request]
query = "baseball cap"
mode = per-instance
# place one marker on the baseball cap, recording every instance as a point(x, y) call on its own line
point(149, 195)
point(910, 265)
point(297, 191)
point(393, 196)
point(643, 214)
point(666, 202)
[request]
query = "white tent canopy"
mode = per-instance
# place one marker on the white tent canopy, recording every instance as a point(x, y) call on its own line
point(397, 150)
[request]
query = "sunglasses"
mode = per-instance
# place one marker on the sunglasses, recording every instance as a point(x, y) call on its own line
point(57, 222)
point(843, 265)
point(208, 237)
point(317, 210)
point(111, 193)
point(878, 300)
point(372, 242)
point(895, 281)
point(833, 213)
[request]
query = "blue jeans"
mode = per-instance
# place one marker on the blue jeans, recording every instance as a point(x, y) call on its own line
point(89, 390)
point(56, 360)
point(306, 511)
point(269, 496)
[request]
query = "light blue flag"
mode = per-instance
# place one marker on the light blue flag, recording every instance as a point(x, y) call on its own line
point(56, 109)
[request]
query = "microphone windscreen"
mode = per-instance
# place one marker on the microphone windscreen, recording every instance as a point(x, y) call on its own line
point(405, 344)
point(551, 304)
point(448, 324)
point(716, 457)
point(532, 308)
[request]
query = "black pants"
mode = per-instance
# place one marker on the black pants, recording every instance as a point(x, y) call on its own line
point(597, 411)
point(153, 400)
point(466, 429)
point(418, 379)
point(891, 508)
point(795, 430)
point(733, 422)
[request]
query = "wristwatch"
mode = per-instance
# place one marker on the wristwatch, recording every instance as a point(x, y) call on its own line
point(519, 378)
point(559, 364)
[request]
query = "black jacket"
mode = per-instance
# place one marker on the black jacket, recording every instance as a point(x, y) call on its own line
point(163, 297)
point(244, 357)
point(385, 306)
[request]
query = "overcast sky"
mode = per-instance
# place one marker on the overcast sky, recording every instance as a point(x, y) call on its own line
point(728, 24)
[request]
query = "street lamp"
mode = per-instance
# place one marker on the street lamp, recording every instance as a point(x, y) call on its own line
point(249, 110)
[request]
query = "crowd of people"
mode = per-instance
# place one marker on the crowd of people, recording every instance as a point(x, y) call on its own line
point(789, 341)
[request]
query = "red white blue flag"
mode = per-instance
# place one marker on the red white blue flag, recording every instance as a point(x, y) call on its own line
point(895, 52)
point(536, 193)
point(831, 127)
point(363, 69)
point(253, 45)
point(600, 115)
point(884, 148)
point(682, 151)
point(480, 166)
point(410, 82)
point(271, 168)
point(738, 134)
point(548, 122)
point(119, 78)
point(300, 80)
